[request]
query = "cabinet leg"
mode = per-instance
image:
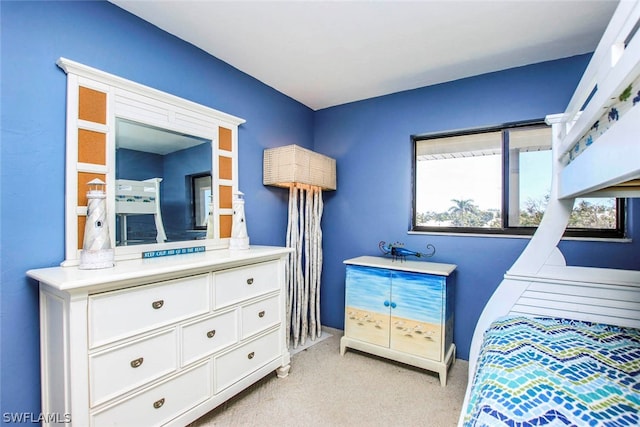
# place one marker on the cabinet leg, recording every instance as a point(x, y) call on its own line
point(283, 371)
point(448, 363)
point(343, 346)
point(443, 378)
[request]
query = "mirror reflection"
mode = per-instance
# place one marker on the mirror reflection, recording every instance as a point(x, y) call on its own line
point(163, 184)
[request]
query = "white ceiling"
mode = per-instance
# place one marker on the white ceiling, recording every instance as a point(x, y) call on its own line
point(327, 53)
point(150, 139)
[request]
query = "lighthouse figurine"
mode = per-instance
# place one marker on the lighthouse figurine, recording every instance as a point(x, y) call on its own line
point(239, 237)
point(96, 247)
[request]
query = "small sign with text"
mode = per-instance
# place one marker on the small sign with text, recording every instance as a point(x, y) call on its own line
point(170, 252)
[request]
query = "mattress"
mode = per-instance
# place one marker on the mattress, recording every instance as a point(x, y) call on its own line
point(556, 372)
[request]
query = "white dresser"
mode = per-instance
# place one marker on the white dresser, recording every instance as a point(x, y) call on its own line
point(160, 341)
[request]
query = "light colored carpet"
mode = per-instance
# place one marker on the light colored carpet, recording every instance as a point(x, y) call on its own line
point(357, 389)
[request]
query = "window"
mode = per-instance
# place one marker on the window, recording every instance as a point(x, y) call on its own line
point(497, 180)
point(201, 197)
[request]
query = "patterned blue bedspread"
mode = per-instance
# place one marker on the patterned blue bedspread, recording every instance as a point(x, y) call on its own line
point(555, 372)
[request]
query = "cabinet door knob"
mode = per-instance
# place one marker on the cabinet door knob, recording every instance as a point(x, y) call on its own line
point(211, 333)
point(158, 403)
point(393, 305)
point(386, 303)
point(261, 314)
point(157, 304)
point(137, 362)
point(250, 281)
point(251, 355)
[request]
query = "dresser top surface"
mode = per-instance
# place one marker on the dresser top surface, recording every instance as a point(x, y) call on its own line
point(130, 272)
point(434, 268)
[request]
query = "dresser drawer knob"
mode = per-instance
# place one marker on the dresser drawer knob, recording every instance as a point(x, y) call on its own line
point(157, 304)
point(211, 333)
point(158, 403)
point(135, 363)
point(261, 314)
point(251, 355)
point(250, 281)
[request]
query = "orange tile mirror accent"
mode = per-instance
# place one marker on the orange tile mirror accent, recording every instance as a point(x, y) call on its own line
point(92, 105)
point(225, 139)
point(92, 147)
point(225, 225)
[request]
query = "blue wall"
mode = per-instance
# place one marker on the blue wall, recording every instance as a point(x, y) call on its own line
point(99, 34)
point(369, 139)
point(179, 166)
point(371, 142)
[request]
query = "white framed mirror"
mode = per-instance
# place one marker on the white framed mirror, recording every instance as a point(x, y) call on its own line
point(157, 153)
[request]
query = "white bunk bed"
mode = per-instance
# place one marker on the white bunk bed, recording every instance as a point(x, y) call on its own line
point(139, 198)
point(596, 152)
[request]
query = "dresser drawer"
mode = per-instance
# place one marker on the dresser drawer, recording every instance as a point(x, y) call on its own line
point(240, 362)
point(260, 315)
point(207, 336)
point(126, 367)
point(160, 404)
point(115, 315)
point(232, 286)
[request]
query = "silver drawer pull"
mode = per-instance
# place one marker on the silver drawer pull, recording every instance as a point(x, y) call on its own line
point(261, 314)
point(250, 355)
point(135, 363)
point(211, 333)
point(158, 403)
point(157, 304)
point(250, 281)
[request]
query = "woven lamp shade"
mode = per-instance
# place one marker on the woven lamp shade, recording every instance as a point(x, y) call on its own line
point(291, 164)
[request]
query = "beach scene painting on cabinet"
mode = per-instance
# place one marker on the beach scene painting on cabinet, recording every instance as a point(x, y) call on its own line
point(396, 309)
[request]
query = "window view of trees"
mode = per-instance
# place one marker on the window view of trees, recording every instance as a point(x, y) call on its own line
point(497, 180)
point(591, 215)
point(465, 213)
point(462, 213)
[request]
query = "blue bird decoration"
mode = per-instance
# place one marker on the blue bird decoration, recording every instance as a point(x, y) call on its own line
point(398, 251)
